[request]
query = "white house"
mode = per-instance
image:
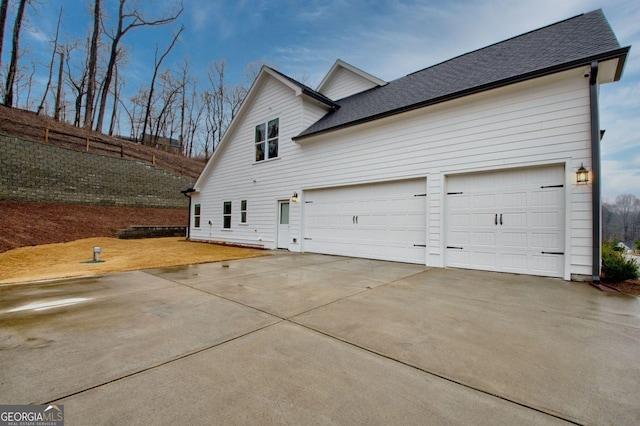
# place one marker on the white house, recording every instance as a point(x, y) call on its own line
point(471, 163)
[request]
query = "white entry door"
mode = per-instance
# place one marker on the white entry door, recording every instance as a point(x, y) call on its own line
point(283, 225)
point(378, 221)
point(508, 221)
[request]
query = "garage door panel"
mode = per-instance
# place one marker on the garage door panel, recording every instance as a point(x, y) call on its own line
point(530, 204)
point(380, 221)
point(515, 199)
point(480, 238)
point(484, 260)
point(483, 201)
point(546, 219)
point(460, 219)
point(515, 239)
point(459, 202)
point(514, 219)
point(546, 264)
point(547, 241)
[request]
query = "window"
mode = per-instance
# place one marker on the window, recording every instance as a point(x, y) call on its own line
point(196, 216)
point(243, 211)
point(226, 215)
point(266, 139)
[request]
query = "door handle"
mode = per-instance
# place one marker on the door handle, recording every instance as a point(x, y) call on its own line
point(496, 218)
point(500, 218)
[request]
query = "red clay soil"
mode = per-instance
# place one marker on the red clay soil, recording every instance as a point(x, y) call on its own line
point(29, 224)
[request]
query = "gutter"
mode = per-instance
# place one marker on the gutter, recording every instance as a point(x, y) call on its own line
point(595, 166)
point(186, 193)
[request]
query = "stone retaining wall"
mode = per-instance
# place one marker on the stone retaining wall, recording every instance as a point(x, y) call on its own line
point(38, 172)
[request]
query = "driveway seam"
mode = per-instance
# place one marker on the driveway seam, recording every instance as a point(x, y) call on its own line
point(153, 367)
point(431, 373)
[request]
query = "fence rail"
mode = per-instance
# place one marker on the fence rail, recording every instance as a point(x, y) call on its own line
point(105, 145)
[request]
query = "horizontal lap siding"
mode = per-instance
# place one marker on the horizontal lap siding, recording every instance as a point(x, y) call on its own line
point(232, 177)
point(346, 83)
point(537, 122)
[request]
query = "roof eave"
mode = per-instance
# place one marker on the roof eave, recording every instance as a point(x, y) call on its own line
point(618, 53)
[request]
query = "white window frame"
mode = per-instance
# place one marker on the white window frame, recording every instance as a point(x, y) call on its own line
point(197, 213)
point(243, 212)
point(266, 141)
point(226, 215)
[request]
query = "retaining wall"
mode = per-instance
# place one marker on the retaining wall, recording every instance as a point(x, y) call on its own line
point(38, 172)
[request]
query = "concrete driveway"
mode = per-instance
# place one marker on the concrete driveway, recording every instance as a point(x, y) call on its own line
point(299, 339)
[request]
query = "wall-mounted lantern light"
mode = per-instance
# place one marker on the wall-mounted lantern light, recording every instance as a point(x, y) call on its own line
point(582, 174)
point(294, 197)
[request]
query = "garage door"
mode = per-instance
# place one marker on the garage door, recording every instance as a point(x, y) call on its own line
point(378, 221)
point(511, 221)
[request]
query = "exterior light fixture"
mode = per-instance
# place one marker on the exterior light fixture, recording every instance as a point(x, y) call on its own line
point(582, 174)
point(294, 197)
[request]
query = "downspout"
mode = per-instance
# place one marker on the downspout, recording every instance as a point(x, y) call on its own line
point(595, 165)
point(187, 193)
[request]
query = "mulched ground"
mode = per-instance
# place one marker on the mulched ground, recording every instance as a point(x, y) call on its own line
point(30, 224)
point(630, 287)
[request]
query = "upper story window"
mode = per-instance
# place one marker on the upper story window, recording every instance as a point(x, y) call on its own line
point(266, 139)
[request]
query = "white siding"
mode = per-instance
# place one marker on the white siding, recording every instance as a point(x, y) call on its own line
point(542, 121)
point(345, 83)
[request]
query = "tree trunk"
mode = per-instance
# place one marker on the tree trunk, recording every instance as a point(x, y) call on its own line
point(53, 60)
point(3, 20)
point(93, 64)
point(158, 63)
point(56, 115)
point(15, 51)
point(115, 104)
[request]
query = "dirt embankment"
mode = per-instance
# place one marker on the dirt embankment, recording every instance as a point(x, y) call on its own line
point(28, 224)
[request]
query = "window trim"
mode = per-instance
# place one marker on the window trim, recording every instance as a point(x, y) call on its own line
point(243, 212)
point(265, 141)
point(226, 216)
point(197, 213)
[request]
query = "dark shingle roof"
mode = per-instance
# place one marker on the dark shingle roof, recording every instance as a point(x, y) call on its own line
point(309, 91)
point(564, 45)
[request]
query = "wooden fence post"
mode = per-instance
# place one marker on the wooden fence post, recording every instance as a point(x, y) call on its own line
point(87, 144)
point(153, 160)
point(46, 135)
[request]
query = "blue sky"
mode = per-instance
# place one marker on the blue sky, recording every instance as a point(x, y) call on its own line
point(388, 39)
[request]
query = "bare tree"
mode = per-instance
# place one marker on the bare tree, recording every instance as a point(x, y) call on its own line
point(93, 64)
point(79, 84)
point(3, 20)
point(15, 50)
point(53, 59)
point(626, 206)
point(127, 20)
point(58, 105)
point(158, 63)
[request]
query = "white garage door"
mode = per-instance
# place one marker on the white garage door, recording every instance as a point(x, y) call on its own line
point(511, 221)
point(378, 221)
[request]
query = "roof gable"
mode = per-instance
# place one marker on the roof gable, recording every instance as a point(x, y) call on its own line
point(265, 73)
point(567, 44)
point(341, 70)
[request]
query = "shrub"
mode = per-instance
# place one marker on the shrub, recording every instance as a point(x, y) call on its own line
point(616, 267)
